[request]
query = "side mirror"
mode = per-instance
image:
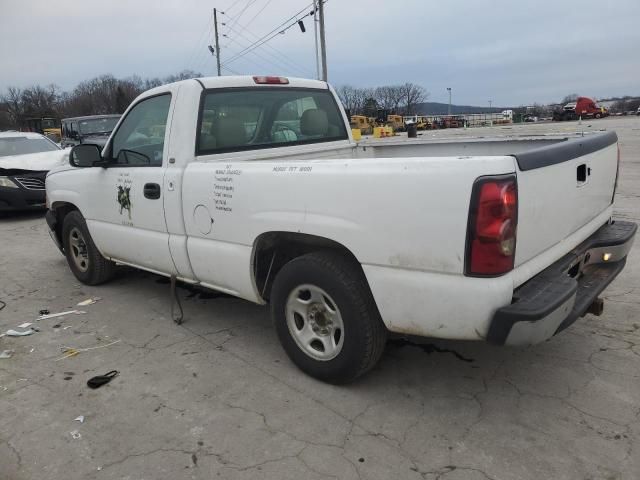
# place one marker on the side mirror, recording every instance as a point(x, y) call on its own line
point(85, 155)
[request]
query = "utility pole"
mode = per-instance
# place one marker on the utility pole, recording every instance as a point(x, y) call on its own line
point(449, 90)
point(323, 47)
point(490, 106)
point(315, 36)
point(215, 23)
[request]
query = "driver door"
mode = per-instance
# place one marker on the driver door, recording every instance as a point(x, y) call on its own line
point(126, 216)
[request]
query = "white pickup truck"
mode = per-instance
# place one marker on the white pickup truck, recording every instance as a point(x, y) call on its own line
point(253, 186)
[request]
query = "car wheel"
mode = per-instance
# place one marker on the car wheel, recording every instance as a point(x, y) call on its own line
point(84, 259)
point(326, 317)
point(598, 115)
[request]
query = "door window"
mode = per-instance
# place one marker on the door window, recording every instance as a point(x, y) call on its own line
point(139, 140)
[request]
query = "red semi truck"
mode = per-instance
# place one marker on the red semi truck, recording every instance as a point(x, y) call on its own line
point(583, 107)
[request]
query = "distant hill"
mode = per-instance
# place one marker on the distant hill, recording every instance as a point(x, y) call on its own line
point(435, 108)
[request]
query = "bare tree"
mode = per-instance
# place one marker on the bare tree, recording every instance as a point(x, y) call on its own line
point(39, 101)
point(347, 95)
point(183, 75)
point(13, 101)
point(389, 97)
point(412, 94)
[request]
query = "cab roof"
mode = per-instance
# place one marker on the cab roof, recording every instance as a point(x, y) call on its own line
point(248, 81)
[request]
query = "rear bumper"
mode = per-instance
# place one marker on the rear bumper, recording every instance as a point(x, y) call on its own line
point(13, 199)
point(562, 293)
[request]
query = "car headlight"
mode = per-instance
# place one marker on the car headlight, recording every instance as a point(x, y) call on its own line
point(7, 182)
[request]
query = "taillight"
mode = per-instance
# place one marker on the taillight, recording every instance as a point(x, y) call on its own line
point(493, 222)
point(267, 80)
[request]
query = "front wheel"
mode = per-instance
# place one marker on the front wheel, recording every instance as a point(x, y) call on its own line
point(326, 318)
point(84, 259)
point(598, 115)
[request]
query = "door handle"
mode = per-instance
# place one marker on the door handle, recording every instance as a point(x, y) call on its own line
point(152, 191)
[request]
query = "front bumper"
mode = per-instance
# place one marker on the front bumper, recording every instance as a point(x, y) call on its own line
point(562, 293)
point(14, 199)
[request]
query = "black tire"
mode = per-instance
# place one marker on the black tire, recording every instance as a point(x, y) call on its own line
point(97, 269)
point(343, 280)
point(598, 115)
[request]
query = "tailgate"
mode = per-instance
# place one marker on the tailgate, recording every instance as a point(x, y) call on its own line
point(561, 188)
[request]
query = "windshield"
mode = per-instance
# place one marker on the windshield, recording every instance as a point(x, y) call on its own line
point(98, 125)
point(23, 145)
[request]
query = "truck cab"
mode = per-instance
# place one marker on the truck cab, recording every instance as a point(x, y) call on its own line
point(583, 107)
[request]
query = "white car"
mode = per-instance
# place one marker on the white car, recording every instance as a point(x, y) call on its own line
point(25, 159)
point(500, 240)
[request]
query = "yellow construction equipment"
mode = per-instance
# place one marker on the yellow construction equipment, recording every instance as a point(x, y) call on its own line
point(381, 132)
point(365, 124)
point(396, 122)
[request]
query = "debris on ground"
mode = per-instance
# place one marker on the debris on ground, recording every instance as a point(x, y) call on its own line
point(72, 352)
point(89, 301)
point(75, 434)
point(44, 311)
point(16, 333)
point(100, 380)
point(6, 353)
point(61, 314)
point(79, 419)
point(24, 325)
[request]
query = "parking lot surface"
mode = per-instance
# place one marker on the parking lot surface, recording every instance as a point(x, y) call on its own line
point(216, 397)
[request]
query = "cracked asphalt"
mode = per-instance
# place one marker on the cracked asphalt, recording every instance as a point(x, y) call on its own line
point(217, 398)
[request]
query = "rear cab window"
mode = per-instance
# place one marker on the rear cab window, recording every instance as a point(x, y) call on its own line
point(238, 119)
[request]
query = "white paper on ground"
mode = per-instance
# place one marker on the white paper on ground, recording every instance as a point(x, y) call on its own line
point(79, 419)
point(15, 333)
point(6, 353)
point(89, 301)
point(25, 325)
point(55, 315)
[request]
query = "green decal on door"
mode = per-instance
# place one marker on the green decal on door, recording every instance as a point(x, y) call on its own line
point(124, 200)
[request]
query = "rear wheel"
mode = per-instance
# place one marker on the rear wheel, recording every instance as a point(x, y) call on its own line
point(598, 115)
point(326, 318)
point(84, 259)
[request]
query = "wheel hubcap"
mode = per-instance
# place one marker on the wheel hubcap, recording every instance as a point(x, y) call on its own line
point(78, 248)
point(315, 323)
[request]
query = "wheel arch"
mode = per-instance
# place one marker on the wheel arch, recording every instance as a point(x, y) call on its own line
point(59, 211)
point(272, 250)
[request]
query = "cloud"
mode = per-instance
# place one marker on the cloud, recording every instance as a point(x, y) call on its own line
point(511, 52)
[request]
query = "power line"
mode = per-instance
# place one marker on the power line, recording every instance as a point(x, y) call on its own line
point(259, 12)
point(270, 64)
point(249, 3)
point(288, 64)
point(232, 6)
point(231, 71)
point(207, 27)
point(284, 59)
point(277, 31)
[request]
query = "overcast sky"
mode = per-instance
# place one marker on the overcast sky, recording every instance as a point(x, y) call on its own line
point(512, 52)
